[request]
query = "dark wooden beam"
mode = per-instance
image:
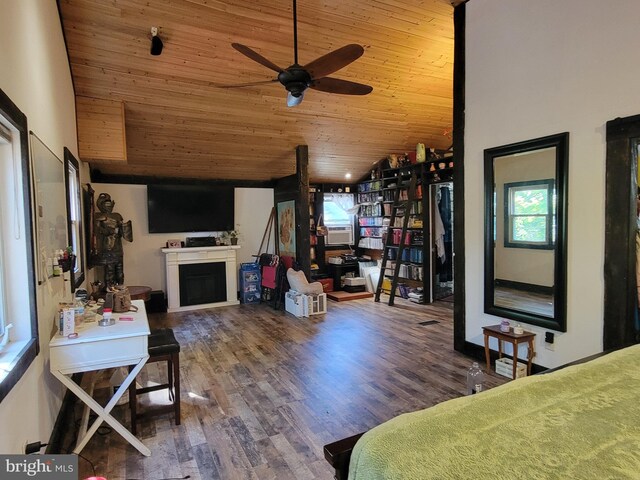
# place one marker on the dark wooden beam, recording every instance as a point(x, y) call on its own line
point(620, 294)
point(302, 210)
point(459, 307)
point(98, 177)
point(296, 187)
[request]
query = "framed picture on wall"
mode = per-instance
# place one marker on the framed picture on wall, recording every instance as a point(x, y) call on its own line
point(287, 228)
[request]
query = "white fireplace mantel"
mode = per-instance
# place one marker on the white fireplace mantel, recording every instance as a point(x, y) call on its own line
point(175, 257)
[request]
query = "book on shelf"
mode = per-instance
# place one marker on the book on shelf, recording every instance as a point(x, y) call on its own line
point(372, 243)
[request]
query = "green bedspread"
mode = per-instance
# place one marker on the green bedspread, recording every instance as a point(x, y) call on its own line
point(582, 422)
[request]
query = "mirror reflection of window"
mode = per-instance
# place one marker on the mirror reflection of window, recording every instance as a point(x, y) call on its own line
point(74, 213)
point(530, 215)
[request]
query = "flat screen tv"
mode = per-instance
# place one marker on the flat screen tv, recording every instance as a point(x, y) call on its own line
point(190, 208)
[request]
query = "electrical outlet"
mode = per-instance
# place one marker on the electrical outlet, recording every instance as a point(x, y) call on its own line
point(549, 341)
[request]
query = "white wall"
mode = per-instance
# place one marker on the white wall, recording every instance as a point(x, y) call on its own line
point(34, 73)
point(535, 69)
point(143, 260)
point(253, 207)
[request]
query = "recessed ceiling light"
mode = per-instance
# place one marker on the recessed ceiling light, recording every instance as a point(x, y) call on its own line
point(347, 176)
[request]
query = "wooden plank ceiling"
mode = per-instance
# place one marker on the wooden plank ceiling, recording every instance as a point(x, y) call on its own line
point(180, 123)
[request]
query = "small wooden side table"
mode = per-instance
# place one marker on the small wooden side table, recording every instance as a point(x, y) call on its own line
point(138, 292)
point(510, 337)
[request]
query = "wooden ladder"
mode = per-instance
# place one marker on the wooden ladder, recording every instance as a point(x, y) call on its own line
point(388, 244)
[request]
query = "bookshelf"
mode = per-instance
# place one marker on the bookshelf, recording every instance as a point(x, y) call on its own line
point(375, 198)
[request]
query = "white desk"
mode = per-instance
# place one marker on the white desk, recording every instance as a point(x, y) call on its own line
point(98, 348)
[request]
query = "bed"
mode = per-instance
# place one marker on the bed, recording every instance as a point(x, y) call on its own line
point(579, 422)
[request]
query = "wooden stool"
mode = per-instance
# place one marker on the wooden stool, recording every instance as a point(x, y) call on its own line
point(163, 346)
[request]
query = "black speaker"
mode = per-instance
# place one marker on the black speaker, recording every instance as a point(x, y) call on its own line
point(200, 242)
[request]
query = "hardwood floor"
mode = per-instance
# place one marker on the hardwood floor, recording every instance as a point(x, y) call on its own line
point(538, 303)
point(263, 391)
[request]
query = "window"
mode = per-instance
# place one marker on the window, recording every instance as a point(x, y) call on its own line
point(338, 209)
point(19, 345)
point(74, 214)
point(5, 151)
point(529, 218)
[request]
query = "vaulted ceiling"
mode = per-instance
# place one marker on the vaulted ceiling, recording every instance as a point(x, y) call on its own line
point(180, 123)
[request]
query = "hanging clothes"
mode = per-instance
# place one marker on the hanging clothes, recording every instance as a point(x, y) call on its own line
point(445, 273)
point(439, 236)
point(444, 206)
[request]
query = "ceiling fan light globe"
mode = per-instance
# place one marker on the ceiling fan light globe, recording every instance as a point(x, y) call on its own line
point(294, 100)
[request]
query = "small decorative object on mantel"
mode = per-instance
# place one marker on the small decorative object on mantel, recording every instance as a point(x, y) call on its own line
point(174, 244)
point(230, 237)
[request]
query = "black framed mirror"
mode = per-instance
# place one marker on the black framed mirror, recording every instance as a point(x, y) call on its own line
point(526, 231)
point(74, 217)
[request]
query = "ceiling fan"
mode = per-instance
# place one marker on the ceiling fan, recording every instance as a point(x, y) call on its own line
point(297, 78)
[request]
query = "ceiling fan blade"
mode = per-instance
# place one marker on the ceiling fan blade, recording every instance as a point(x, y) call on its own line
point(256, 57)
point(334, 61)
point(293, 101)
point(251, 84)
point(345, 87)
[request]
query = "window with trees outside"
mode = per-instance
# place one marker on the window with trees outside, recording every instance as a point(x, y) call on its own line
point(18, 344)
point(529, 219)
point(338, 209)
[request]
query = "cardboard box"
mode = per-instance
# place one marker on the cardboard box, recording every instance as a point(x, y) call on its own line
point(67, 321)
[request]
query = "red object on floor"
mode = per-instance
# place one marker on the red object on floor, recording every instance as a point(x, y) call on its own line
point(327, 284)
point(269, 276)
